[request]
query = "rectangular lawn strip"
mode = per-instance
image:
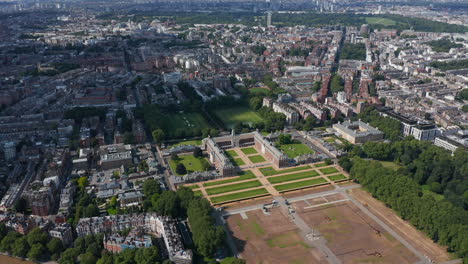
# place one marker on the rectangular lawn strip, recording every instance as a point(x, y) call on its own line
point(198, 193)
point(293, 177)
point(238, 162)
point(296, 149)
point(193, 187)
point(269, 171)
point(295, 185)
point(256, 159)
point(329, 170)
point(249, 150)
point(232, 153)
point(238, 196)
point(233, 187)
point(246, 176)
point(319, 165)
point(337, 177)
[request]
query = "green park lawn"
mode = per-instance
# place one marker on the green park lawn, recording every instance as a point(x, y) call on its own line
point(186, 121)
point(249, 150)
point(188, 142)
point(258, 90)
point(270, 171)
point(301, 184)
point(232, 153)
point(295, 149)
point(256, 159)
point(390, 165)
point(337, 177)
point(238, 162)
point(247, 175)
point(293, 177)
point(240, 114)
point(319, 165)
point(380, 21)
point(329, 170)
point(233, 187)
point(238, 196)
point(198, 193)
point(191, 163)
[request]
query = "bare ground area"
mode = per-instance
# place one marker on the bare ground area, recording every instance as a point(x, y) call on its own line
point(270, 239)
point(418, 239)
point(308, 191)
point(353, 236)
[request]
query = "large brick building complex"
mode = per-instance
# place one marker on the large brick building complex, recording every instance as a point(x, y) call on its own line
point(214, 147)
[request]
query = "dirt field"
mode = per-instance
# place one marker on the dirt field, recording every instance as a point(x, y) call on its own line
point(308, 191)
point(416, 238)
point(353, 236)
point(270, 239)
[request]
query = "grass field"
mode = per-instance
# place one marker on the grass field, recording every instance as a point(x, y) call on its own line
point(198, 193)
point(337, 177)
point(257, 159)
point(293, 177)
point(295, 185)
point(329, 170)
point(258, 90)
point(270, 171)
point(231, 116)
point(390, 165)
point(318, 165)
point(188, 142)
point(186, 121)
point(380, 21)
point(285, 240)
point(239, 195)
point(232, 153)
point(233, 187)
point(249, 150)
point(295, 149)
point(246, 176)
point(191, 163)
point(193, 187)
point(238, 162)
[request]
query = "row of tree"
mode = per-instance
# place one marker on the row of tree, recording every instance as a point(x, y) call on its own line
point(36, 245)
point(443, 222)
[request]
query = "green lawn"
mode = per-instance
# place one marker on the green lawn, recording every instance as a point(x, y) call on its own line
point(186, 121)
point(257, 159)
point(232, 153)
point(426, 189)
point(270, 171)
point(247, 175)
point(188, 142)
point(329, 170)
point(233, 187)
point(295, 149)
point(238, 162)
point(390, 165)
point(295, 185)
point(337, 177)
point(249, 150)
point(318, 165)
point(238, 196)
point(198, 193)
point(258, 90)
point(193, 187)
point(292, 177)
point(191, 163)
point(380, 21)
point(233, 115)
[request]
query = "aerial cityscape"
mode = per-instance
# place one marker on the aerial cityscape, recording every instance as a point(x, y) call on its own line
point(232, 132)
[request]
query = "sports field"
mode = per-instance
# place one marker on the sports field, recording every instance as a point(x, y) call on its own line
point(191, 163)
point(380, 21)
point(186, 121)
point(241, 114)
point(295, 149)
